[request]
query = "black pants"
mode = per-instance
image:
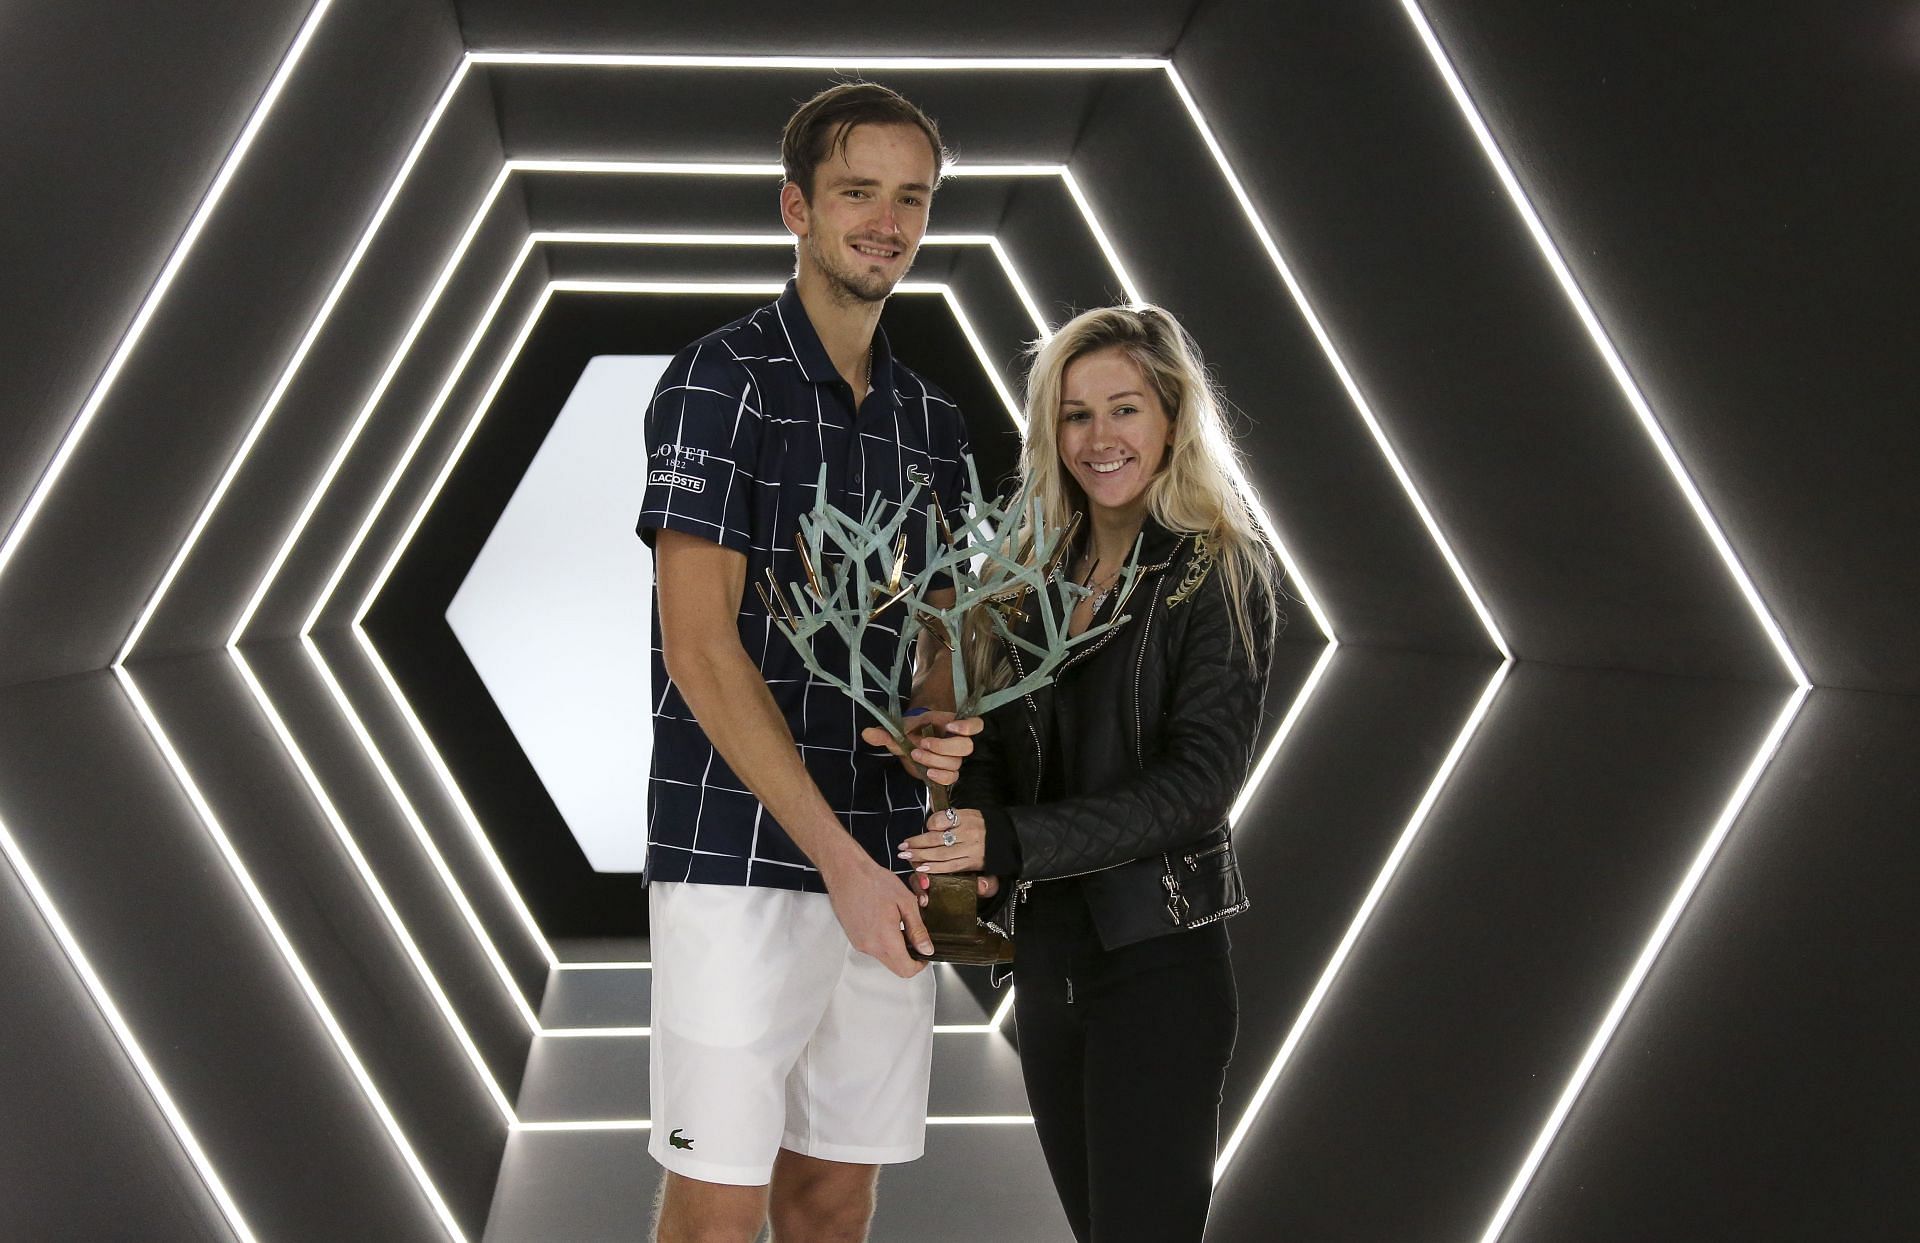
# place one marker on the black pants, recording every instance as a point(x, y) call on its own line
point(1124, 1054)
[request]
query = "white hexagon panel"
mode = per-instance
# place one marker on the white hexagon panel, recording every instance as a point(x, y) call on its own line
point(556, 613)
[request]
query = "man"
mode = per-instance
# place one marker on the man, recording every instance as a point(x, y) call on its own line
point(792, 1028)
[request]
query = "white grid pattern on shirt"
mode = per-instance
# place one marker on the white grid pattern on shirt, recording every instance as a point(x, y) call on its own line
point(743, 408)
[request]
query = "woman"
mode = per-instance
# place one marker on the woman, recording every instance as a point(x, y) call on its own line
point(1101, 802)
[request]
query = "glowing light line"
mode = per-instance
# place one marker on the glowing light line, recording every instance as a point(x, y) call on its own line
point(414, 822)
point(366, 411)
point(36, 500)
point(864, 63)
point(292, 369)
point(1280, 735)
point(289, 955)
point(1643, 965)
point(123, 1035)
point(1359, 922)
point(980, 351)
point(1339, 365)
point(373, 886)
point(1100, 237)
point(462, 808)
point(1616, 366)
point(746, 288)
point(644, 1124)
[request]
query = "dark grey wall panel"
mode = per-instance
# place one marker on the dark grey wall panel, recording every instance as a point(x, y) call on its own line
point(334, 924)
point(407, 400)
point(1734, 196)
point(1757, 1088)
point(985, 116)
point(236, 550)
point(1058, 255)
point(86, 1150)
point(143, 887)
point(414, 773)
point(1441, 1049)
point(432, 915)
point(189, 392)
point(109, 150)
point(1532, 461)
point(394, 425)
point(1324, 480)
point(991, 27)
point(1316, 835)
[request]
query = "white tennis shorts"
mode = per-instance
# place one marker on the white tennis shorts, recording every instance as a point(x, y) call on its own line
point(771, 1031)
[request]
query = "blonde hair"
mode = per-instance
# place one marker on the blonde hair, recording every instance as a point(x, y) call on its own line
point(1194, 491)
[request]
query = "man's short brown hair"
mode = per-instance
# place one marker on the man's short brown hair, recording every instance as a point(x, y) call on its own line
point(818, 131)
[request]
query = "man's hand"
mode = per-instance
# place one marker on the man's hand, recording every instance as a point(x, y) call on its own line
point(941, 742)
point(872, 905)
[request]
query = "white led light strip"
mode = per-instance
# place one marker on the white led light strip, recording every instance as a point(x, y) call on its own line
point(290, 956)
point(293, 367)
point(753, 288)
point(1338, 364)
point(1360, 920)
point(1643, 411)
point(414, 822)
point(395, 923)
point(17, 533)
point(123, 1034)
point(1637, 974)
point(644, 1124)
point(425, 311)
point(427, 308)
point(1604, 344)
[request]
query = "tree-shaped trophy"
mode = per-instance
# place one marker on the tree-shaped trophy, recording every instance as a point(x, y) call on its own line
point(1004, 567)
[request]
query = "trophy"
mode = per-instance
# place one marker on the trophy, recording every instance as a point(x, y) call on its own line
point(1004, 567)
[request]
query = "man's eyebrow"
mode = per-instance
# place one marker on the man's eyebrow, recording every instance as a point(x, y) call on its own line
point(865, 182)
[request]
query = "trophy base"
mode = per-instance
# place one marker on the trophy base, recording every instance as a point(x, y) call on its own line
point(952, 917)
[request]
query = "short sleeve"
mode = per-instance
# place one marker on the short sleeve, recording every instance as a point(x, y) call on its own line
point(703, 431)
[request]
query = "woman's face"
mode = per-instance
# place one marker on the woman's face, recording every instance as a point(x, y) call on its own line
point(1114, 432)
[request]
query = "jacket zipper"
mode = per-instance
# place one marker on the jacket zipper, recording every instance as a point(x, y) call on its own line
point(1022, 889)
point(1177, 904)
point(1193, 860)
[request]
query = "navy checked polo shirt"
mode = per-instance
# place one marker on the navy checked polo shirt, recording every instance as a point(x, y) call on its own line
point(737, 432)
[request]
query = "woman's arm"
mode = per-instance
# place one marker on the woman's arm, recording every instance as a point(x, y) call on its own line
point(1190, 779)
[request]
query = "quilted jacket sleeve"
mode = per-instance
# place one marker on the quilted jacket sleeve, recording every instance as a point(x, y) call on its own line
point(1191, 776)
point(982, 777)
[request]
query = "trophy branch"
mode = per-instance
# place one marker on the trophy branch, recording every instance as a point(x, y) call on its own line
point(1003, 563)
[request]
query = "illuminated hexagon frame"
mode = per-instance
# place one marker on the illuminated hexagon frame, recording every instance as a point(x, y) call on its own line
point(17, 532)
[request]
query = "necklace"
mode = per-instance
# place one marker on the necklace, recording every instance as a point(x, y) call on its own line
point(1100, 594)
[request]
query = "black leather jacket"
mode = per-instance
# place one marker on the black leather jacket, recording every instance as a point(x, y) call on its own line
point(1152, 728)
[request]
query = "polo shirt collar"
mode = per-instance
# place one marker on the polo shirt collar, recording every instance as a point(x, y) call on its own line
point(812, 356)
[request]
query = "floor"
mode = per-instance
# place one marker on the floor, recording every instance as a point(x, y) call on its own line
point(577, 1171)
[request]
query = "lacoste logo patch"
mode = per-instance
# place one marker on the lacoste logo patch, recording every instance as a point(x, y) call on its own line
point(674, 479)
point(919, 475)
point(679, 1141)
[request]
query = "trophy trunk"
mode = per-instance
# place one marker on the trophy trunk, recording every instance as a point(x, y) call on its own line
point(952, 913)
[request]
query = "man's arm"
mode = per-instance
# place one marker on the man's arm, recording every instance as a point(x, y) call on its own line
point(701, 584)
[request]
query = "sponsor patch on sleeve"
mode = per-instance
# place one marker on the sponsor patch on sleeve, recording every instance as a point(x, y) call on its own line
point(674, 479)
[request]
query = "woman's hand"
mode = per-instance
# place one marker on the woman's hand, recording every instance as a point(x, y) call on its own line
point(940, 740)
point(930, 853)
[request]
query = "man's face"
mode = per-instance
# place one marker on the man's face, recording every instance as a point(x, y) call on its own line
point(868, 213)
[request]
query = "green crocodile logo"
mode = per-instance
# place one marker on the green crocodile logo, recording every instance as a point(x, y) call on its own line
point(678, 1142)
